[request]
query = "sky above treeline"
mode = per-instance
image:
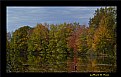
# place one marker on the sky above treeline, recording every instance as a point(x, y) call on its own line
point(30, 16)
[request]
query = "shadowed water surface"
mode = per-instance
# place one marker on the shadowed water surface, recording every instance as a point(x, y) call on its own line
point(73, 63)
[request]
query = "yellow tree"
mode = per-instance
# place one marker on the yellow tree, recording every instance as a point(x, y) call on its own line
point(104, 37)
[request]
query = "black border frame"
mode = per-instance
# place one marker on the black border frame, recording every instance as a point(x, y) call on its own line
point(52, 3)
point(60, 0)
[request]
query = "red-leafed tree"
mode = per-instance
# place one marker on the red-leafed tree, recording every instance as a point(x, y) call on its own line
point(72, 44)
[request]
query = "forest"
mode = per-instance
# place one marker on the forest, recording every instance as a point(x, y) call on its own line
point(67, 47)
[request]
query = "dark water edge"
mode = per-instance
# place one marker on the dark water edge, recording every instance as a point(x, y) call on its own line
point(72, 63)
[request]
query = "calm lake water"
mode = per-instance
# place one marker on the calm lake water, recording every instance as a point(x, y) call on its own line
point(73, 63)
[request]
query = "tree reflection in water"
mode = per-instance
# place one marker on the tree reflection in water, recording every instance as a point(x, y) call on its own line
point(84, 63)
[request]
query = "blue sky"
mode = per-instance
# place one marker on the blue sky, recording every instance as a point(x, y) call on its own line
point(23, 16)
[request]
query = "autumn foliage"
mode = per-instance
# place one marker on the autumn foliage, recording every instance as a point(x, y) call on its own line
point(36, 46)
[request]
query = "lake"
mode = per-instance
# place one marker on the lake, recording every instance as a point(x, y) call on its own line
point(73, 63)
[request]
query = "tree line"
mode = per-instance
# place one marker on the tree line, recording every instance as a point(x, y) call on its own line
point(35, 45)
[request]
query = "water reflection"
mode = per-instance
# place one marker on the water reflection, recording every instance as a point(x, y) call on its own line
point(86, 63)
point(78, 63)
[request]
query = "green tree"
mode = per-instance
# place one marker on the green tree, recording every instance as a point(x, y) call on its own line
point(38, 45)
point(105, 36)
point(93, 25)
point(81, 41)
point(18, 48)
point(8, 69)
